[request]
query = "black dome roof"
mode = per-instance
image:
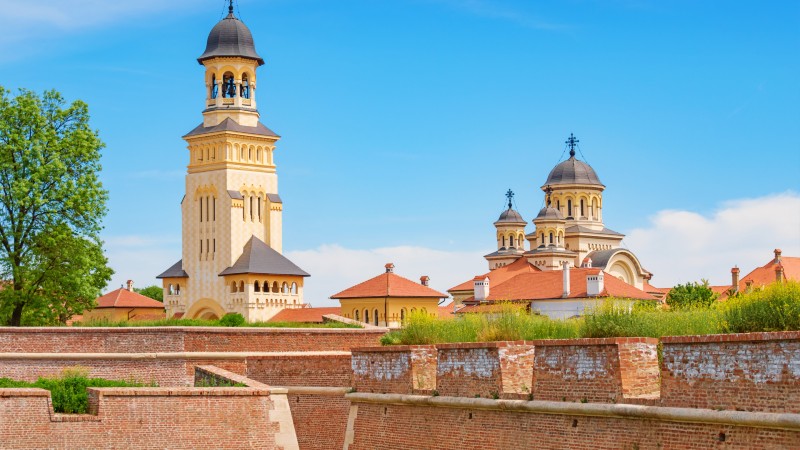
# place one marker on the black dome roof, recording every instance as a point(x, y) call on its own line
point(573, 171)
point(510, 216)
point(230, 37)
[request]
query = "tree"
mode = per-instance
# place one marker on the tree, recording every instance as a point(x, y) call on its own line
point(154, 292)
point(51, 207)
point(689, 295)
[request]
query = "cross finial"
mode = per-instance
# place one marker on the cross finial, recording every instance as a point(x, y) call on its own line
point(547, 191)
point(509, 196)
point(571, 141)
point(230, 7)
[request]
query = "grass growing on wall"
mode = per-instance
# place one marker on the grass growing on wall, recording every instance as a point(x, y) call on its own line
point(210, 323)
point(773, 308)
point(68, 391)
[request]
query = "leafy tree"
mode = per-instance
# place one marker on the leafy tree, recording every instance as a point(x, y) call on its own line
point(691, 295)
point(154, 292)
point(51, 207)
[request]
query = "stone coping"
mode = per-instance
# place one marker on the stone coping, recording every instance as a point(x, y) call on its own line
point(181, 391)
point(392, 348)
point(315, 390)
point(170, 355)
point(781, 421)
point(204, 330)
point(593, 341)
point(24, 392)
point(733, 337)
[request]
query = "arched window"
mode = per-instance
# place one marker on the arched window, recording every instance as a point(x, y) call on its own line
point(214, 87)
point(583, 210)
point(259, 207)
point(569, 208)
point(558, 205)
point(366, 315)
point(511, 241)
point(241, 286)
point(284, 288)
point(245, 89)
point(413, 310)
point(251, 207)
point(542, 238)
point(275, 287)
point(214, 208)
point(233, 286)
point(171, 291)
point(228, 86)
point(402, 316)
point(551, 237)
point(504, 241)
point(256, 287)
point(201, 208)
point(355, 314)
point(178, 289)
point(375, 317)
point(294, 288)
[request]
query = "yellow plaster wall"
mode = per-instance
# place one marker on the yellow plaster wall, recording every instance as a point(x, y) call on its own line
point(120, 314)
point(389, 309)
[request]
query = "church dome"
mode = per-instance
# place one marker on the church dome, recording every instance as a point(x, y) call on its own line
point(549, 213)
point(573, 171)
point(510, 216)
point(230, 37)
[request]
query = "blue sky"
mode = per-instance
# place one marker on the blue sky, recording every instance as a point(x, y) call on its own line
point(405, 121)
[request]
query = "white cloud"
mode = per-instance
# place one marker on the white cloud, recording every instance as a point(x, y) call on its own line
point(681, 246)
point(334, 268)
point(140, 258)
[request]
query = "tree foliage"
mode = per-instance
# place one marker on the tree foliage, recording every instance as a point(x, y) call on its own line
point(691, 295)
point(51, 207)
point(154, 292)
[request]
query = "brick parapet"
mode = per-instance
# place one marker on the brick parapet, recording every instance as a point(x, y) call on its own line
point(485, 369)
point(733, 337)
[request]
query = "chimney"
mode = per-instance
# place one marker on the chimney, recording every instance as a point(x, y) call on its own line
point(481, 288)
point(778, 256)
point(595, 284)
point(389, 268)
point(778, 271)
point(735, 279)
point(565, 272)
point(130, 285)
point(423, 280)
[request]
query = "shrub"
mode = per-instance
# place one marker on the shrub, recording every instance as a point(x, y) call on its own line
point(618, 318)
point(773, 308)
point(691, 295)
point(232, 320)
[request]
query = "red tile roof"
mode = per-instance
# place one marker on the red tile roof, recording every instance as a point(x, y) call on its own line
point(123, 298)
point(764, 275)
point(499, 275)
point(388, 285)
point(310, 315)
point(550, 285)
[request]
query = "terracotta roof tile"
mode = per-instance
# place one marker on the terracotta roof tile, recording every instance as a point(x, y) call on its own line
point(310, 315)
point(499, 275)
point(123, 298)
point(549, 285)
point(388, 285)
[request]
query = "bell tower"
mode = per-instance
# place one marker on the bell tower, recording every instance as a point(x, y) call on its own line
point(231, 213)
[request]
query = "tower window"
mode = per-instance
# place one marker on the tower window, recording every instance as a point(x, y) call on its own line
point(504, 241)
point(569, 208)
point(542, 238)
point(551, 238)
point(251, 208)
point(256, 287)
point(214, 87)
point(376, 317)
point(366, 315)
point(228, 86)
point(214, 205)
point(201, 208)
point(583, 212)
point(511, 241)
point(259, 208)
point(206, 208)
point(245, 89)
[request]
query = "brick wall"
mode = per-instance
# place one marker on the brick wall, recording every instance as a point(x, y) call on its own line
point(392, 426)
point(595, 370)
point(180, 339)
point(302, 369)
point(402, 369)
point(320, 419)
point(486, 369)
point(142, 418)
point(750, 372)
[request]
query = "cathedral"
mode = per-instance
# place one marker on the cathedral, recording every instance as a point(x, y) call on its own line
point(231, 212)
point(569, 233)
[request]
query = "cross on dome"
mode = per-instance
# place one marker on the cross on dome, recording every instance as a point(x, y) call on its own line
point(230, 7)
point(571, 141)
point(509, 195)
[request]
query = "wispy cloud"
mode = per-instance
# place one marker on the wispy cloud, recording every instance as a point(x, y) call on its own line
point(140, 257)
point(680, 246)
point(493, 9)
point(334, 268)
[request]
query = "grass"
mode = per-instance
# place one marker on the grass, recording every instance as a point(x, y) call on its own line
point(68, 392)
point(773, 308)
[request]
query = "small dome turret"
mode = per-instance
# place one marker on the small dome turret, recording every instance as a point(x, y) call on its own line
point(510, 216)
point(549, 213)
point(230, 37)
